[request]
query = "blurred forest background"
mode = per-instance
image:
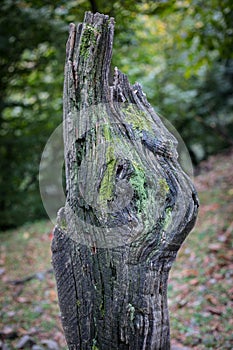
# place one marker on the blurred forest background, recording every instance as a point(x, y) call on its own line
point(180, 51)
point(182, 54)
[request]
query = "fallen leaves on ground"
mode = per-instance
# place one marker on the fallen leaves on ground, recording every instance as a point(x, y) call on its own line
point(30, 316)
point(200, 284)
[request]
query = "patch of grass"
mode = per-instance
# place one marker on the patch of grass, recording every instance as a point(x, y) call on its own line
point(26, 249)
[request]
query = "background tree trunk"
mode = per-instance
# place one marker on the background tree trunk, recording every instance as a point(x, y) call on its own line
point(129, 204)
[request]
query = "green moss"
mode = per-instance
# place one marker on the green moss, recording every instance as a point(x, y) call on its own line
point(61, 219)
point(131, 309)
point(107, 132)
point(137, 118)
point(78, 302)
point(163, 187)
point(94, 346)
point(138, 182)
point(107, 183)
point(87, 39)
point(63, 224)
point(167, 219)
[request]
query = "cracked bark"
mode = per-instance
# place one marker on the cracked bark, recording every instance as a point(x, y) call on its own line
point(129, 204)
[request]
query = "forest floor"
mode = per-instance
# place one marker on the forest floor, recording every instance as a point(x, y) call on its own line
point(201, 280)
point(200, 286)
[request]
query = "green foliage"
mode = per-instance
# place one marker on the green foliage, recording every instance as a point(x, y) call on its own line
point(30, 105)
point(180, 51)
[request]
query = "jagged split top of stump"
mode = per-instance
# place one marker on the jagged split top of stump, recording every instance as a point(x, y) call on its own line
point(124, 183)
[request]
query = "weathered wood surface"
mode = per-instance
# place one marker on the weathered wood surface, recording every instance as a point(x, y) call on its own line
point(129, 204)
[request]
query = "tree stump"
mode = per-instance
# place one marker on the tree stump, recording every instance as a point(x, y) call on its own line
point(129, 204)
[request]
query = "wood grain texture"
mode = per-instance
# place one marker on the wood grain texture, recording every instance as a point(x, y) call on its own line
point(129, 204)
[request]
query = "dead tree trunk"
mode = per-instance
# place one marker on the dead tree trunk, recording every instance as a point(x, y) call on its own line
point(129, 204)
